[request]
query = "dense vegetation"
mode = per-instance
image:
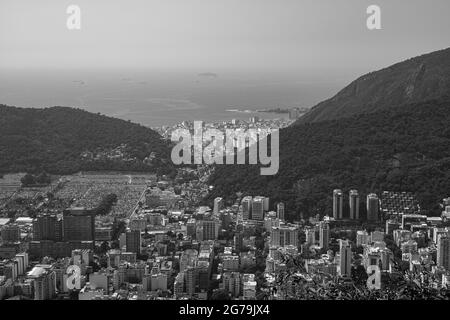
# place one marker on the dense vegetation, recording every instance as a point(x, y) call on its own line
point(397, 285)
point(33, 180)
point(106, 204)
point(53, 139)
point(413, 81)
point(400, 149)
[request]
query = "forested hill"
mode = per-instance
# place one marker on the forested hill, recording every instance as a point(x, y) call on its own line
point(416, 80)
point(65, 140)
point(405, 148)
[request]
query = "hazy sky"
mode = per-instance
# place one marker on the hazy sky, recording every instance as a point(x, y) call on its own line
point(217, 35)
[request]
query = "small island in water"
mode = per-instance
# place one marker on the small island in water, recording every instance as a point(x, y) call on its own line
point(271, 110)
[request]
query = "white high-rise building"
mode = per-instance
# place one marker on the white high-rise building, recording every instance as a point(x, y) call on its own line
point(258, 208)
point(280, 211)
point(354, 204)
point(443, 252)
point(372, 207)
point(338, 199)
point(324, 235)
point(231, 282)
point(218, 205)
point(345, 262)
point(44, 282)
point(247, 207)
point(207, 230)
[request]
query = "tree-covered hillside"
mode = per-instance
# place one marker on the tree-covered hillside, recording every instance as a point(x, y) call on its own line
point(53, 140)
point(404, 148)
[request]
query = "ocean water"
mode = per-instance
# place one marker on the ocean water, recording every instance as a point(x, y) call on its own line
point(164, 98)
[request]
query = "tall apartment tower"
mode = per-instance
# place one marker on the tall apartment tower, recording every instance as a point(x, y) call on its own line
point(443, 252)
point(354, 204)
point(266, 203)
point(218, 205)
point(345, 263)
point(324, 235)
point(133, 241)
point(247, 207)
point(258, 208)
point(44, 282)
point(338, 199)
point(191, 279)
point(372, 207)
point(280, 211)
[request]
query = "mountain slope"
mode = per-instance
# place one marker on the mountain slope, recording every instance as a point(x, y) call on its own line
point(53, 139)
point(403, 148)
point(416, 80)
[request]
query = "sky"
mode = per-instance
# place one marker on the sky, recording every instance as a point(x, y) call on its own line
point(218, 35)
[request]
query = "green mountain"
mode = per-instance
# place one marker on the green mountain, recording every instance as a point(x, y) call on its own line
point(416, 80)
point(388, 130)
point(65, 140)
point(400, 149)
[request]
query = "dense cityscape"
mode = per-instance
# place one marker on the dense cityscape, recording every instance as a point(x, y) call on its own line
point(225, 159)
point(136, 236)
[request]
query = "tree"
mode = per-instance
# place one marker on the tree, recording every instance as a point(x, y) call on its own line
point(51, 142)
point(104, 247)
point(28, 180)
point(170, 234)
point(106, 204)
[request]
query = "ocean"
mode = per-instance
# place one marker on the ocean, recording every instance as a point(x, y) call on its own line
point(156, 98)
